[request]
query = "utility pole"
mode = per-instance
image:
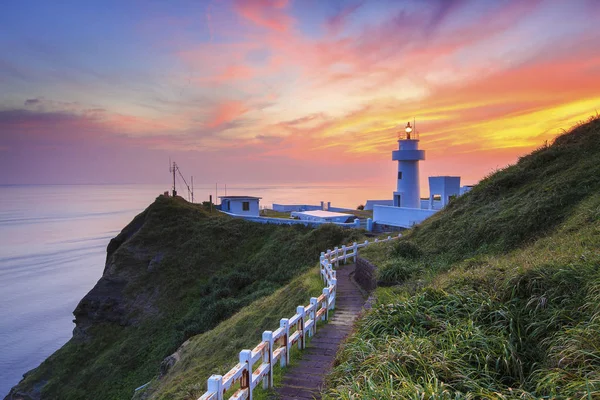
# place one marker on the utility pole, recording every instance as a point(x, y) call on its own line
point(192, 188)
point(173, 168)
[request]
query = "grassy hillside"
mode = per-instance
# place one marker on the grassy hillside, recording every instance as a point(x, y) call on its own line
point(174, 272)
point(216, 351)
point(498, 296)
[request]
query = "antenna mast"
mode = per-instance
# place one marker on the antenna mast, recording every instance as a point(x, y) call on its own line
point(172, 169)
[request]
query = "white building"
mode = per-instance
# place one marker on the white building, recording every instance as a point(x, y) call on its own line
point(322, 216)
point(240, 205)
point(407, 208)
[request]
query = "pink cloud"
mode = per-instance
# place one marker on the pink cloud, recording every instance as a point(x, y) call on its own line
point(226, 112)
point(268, 14)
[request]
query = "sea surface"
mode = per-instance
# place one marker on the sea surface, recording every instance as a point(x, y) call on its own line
point(53, 242)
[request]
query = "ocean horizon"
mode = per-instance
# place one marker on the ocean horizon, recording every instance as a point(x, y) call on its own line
point(53, 242)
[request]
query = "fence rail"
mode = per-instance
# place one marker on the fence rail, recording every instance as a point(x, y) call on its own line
point(256, 365)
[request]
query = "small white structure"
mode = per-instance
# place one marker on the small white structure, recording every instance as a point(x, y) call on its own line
point(240, 205)
point(408, 156)
point(445, 187)
point(321, 216)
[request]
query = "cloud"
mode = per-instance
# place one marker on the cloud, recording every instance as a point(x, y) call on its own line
point(267, 14)
point(31, 102)
point(336, 23)
point(226, 112)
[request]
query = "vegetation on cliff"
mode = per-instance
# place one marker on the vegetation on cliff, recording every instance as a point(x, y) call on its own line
point(497, 296)
point(174, 272)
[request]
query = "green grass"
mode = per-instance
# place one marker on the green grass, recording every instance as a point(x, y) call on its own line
point(495, 297)
point(274, 214)
point(210, 268)
point(216, 351)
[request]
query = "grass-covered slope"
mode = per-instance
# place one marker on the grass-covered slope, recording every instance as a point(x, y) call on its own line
point(174, 272)
point(217, 351)
point(498, 296)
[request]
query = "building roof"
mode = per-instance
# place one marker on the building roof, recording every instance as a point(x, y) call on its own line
point(322, 214)
point(240, 197)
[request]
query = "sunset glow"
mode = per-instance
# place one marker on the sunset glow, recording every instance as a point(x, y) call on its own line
point(286, 91)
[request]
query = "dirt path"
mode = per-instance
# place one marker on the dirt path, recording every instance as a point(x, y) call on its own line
point(304, 381)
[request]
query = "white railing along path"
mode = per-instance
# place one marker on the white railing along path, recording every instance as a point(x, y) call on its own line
point(256, 365)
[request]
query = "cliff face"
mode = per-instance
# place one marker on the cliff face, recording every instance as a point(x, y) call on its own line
point(173, 272)
point(106, 301)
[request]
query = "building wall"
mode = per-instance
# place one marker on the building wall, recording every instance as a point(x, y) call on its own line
point(295, 207)
point(236, 207)
point(305, 207)
point(425, 204)
point(445, 186)
point(370, 203)
point(402, 217)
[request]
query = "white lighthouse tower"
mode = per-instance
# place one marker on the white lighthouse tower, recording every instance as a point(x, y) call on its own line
point(408, 156)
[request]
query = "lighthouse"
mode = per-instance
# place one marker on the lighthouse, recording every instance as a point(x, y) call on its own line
point(408, 156)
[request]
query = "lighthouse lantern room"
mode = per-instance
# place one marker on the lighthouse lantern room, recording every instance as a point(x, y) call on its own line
point(408, 156)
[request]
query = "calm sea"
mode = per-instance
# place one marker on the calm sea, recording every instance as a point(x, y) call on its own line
point(53, 246)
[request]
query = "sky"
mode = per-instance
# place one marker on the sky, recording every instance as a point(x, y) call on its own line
point(287, 91)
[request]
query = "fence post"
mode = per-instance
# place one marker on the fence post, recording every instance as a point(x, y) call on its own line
point(268, 358)
point(301, 321)
point(326, 303)
point(285, 324)
point(246, 381)
point(355, 251)
point(321, 265)
point(344, 252)
point(215, 385)
point(313, 315)
point(369, 224)
point(334, 293)
point(389, 238)
point(337, 258)
point(357, 223)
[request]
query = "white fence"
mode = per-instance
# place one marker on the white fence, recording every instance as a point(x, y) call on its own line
point(256, 365)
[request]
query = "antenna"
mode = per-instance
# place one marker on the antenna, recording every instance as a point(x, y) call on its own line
point(172, 169)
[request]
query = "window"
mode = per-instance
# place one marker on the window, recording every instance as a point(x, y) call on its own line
point(399, 175)
point(246, 205)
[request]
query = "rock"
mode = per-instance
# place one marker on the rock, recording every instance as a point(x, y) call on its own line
point(155, 261)
point(168, 363)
